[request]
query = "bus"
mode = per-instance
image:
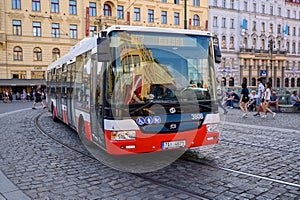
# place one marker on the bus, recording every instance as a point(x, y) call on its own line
point(133, 90)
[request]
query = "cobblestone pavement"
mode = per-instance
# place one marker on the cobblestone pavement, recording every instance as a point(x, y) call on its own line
point(255, 159)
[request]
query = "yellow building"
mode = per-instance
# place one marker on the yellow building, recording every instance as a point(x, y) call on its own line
point(33, 33)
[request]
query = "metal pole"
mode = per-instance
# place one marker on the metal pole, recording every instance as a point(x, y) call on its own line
point(185, 14)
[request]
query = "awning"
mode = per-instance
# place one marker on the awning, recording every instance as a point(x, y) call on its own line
point(22, 82)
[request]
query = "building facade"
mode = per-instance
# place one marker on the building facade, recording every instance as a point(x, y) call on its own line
point(258, 39)
point(34, 33)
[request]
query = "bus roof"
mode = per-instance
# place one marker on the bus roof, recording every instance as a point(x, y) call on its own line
point(82, 46)
point(157, 30)
point(87, 44)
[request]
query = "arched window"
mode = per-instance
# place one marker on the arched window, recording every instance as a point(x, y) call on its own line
point(106, 10)
point(254, 43)
point(18, 54)
point(286, 82)
point(37, 54)
point(293, 82)
point(223, 81)
point(278, 83)
point(245, 43)
point(270, 81)
point(223, 42)
point(253, 82)
point(298, 82)
point(55, 54)
point(245, 80)
point(231, 45)
point(196, 20)
point(231, 81)
point(262, 44)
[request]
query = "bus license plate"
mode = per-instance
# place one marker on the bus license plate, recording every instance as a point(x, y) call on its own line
point(173, 144)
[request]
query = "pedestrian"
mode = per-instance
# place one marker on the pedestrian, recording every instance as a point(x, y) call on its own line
point(260, 100)
point(38, 97)
point(244, 100)
point(267, 96)
point(274, 101)
point(233, 97)
point(295, 100)
point(24, 95)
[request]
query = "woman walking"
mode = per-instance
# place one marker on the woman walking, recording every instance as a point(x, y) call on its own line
point(244, 99)
point(267, 97)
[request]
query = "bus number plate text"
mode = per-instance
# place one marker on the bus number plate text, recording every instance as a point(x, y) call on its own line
point(173, 144)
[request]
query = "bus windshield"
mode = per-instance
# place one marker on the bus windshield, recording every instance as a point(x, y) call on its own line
point(150, 66)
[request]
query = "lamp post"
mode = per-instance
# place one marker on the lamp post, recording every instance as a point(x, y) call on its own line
point(271, 64)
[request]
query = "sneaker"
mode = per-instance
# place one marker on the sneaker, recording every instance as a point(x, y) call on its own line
point(33, 108)
point(244, 115)
point(231, 107)
point(257, 114)
point(274, 114)
point(44, 107)
point(263, 116)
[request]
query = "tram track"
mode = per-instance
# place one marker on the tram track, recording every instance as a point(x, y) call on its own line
point(151, 180)
point(163, 184)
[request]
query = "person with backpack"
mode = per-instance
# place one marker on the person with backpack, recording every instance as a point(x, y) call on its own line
point(244, 100)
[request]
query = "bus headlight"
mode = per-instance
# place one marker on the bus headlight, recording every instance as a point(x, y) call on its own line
point(123, 135)
point(212, 128)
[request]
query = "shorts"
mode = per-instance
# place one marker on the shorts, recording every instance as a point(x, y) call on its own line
point(258, 101)
point(38, 99)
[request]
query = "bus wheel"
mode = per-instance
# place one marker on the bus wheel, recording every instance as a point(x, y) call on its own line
point(54, 118)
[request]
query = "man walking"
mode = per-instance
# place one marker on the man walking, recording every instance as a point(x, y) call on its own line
point(260, 100)
point(38, 97)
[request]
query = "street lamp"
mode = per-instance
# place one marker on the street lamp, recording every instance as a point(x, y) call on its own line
point(185, 14)
point(271, 64)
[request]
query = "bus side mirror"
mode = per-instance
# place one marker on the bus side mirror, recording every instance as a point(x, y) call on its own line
point(217, 53)
point(103, 49)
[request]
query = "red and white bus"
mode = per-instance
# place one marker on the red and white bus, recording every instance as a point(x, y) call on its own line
point(138, 89)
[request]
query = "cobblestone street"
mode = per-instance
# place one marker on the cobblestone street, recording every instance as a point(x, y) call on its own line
point(255, 159)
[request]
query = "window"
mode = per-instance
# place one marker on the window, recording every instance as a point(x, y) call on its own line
point(18, 54)
point(196, 2)
point(196, 20)
point(271, 28)
point(215, 21)
point(231, 81)
point(137, 14)
point(263, 8)
point(231, 23)
point(215, 2)
point(288, 46)
point(106, 10)
point(294, 31)
point(271, 10)
point(278, 29)
point(286, 82)
point(294, 14)
point(17, 27)
point(73, 31)
point(55, 30)
point(176, 18)
point(254, 26)
point(36, 5)
point(263, 27)
point(231, 45)
point(37, 54)
point(18, 74)
point(224, 3)
point(38, 74)
point(150, 15)
point(72, 7)
point(164, 17)
point(232, 4)
point(16, 4)
point(120, 12)
point(176, 1)
point(93, 11)
point(262, 44)
point(279, 11)
point(288, 13)
point(294, 47)
point(223, 46)
point(254, 7)
point(93, 31)
point(223, 22)
point(54, 6)
point(36, 26)
point(254, 43)
point(245, 5)
point(55, 54)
